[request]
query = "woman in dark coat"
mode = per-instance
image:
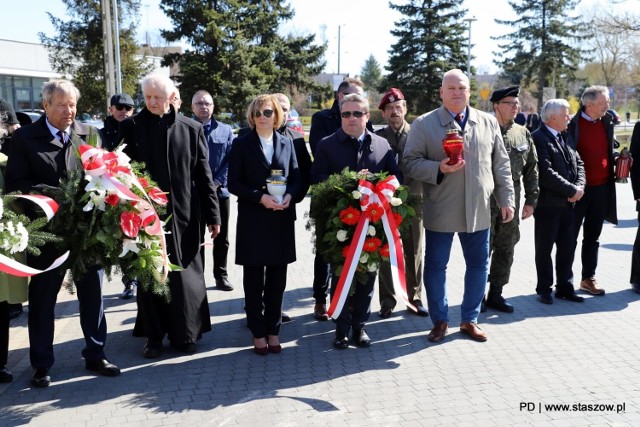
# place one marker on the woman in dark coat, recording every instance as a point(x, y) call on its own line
point(265, 239)
point(174, 151)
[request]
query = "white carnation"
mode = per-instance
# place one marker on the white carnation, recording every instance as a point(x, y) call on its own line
point(371, 231)
point(356, 194)
point(341, 235)
point(364, 257)
point(395, 201)
point(373, 267)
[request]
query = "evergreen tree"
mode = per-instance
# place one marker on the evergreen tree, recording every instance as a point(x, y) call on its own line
point(371, 74)
point(77, 51)
point(539, 50)
point(430, 41)
point(236, 51)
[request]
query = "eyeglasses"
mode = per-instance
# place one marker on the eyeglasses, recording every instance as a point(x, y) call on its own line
point(348, 114)
point(121, 107)
point(203, 104)
point(510, 103)
point(266, 113)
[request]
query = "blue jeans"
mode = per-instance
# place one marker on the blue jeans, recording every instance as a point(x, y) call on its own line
point(475, 247)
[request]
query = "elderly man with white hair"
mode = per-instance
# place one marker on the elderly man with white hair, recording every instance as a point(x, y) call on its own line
point(562, 181)
point(174, 150)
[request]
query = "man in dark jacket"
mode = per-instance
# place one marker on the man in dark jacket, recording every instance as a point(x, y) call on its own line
point(41, 154)
point(174, 150)
point(590, 133)
point(561, 180)
point(120, 107)
point(635, 187)
point(354, 147)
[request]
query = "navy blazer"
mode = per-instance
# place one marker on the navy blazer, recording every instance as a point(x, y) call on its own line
point(561, 170)
point(339, 151)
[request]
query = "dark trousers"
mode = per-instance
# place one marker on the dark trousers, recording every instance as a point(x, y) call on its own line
point(554, 225)
point(221, 242)
point(4, 333)
point(43, 292)
point(263, 293)
point(357, 307)
point(589, 213)
point(635, 257)
point(321, 277)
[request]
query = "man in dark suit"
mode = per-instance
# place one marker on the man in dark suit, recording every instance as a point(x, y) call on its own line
point(590, 133)
point(394, 108)
point(219, 137)
point(41, 154)
point(635, 186)
point(561, 180)
point(325, 123)
point(354, 147)
point(174, 150)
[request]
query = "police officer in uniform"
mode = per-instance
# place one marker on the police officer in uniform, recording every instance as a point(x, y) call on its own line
point(524, 170)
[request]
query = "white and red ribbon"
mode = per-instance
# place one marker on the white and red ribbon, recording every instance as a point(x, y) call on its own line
point(15, 268)
point(373, 194)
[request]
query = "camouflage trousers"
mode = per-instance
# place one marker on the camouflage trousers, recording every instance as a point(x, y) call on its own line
point(502, 242)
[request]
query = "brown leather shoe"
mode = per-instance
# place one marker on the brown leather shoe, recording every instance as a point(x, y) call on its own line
point(438, 332)
point(320, 312)
point(591, 286)
point(473, 330)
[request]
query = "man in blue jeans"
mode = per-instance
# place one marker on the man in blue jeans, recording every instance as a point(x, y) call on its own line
point(457, 198)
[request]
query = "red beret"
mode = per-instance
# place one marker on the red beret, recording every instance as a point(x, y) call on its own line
point(392, 95)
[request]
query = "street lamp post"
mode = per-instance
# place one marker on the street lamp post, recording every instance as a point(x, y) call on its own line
point(469, 20)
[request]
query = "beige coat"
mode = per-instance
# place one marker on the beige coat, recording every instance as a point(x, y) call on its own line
point(460, 201)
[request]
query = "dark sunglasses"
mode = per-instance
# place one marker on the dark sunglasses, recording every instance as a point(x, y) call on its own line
point(356, 114)
point(266, 113)
point(124, 107)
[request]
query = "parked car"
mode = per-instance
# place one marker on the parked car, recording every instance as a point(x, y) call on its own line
point(33, 115)
point(293, 121)
point(616, 116)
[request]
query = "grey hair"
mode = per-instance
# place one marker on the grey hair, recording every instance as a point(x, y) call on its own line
point(159, 81)
point(358, 99)
point(591, 93)
point(551, 107)
point(201, 92)
point(60, 86)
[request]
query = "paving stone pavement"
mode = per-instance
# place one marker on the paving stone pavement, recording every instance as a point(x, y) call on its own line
point(563, 354)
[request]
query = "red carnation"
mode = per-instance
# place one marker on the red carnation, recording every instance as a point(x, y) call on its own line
point(112, 199)
point(375, 211)
point(350, 215)
point(372, 244)
point(384, 251)
point(130, 224)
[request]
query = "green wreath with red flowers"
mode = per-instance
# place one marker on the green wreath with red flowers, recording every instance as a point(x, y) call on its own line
point(336, 210)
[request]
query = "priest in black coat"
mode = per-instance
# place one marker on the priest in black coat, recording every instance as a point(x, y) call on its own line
point(174, 150)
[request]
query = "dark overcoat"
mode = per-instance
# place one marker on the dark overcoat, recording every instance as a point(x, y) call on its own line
point(177, 162)
point(264, 237)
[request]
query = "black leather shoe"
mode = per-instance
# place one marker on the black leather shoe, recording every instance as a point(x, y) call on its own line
point(5, 375)
point(285, 318)
point(569, 296)
point(545, 298)
point(223, 284)
point(385, 313)
point(15, 310)
point(500, 304)
point(103, 367)
point(341, 342)
point(129, 289)
point(152, 349)
point(422, 311)
point(40, 378)
point(361, 338)
point(188, 347)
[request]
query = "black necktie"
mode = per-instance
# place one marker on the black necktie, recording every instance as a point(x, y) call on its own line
point(62, 136)
point(207, 129)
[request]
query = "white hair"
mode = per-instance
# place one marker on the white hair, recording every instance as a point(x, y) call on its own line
point(551, 107)
point(159, 81)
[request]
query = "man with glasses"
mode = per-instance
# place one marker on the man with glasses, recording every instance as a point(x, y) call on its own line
point(524, 168)
point(219, 137)
point(121, 107)
point(323, 124)
point(456, 198)
point(394, 108)
point(353, 146)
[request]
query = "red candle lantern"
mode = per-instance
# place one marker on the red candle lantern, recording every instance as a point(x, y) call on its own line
point(453, 144)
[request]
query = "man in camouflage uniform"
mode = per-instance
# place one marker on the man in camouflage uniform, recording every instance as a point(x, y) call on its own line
point(524, 166)
point(394, 108)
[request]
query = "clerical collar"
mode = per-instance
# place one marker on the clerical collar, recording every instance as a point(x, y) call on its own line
point(586, 117)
